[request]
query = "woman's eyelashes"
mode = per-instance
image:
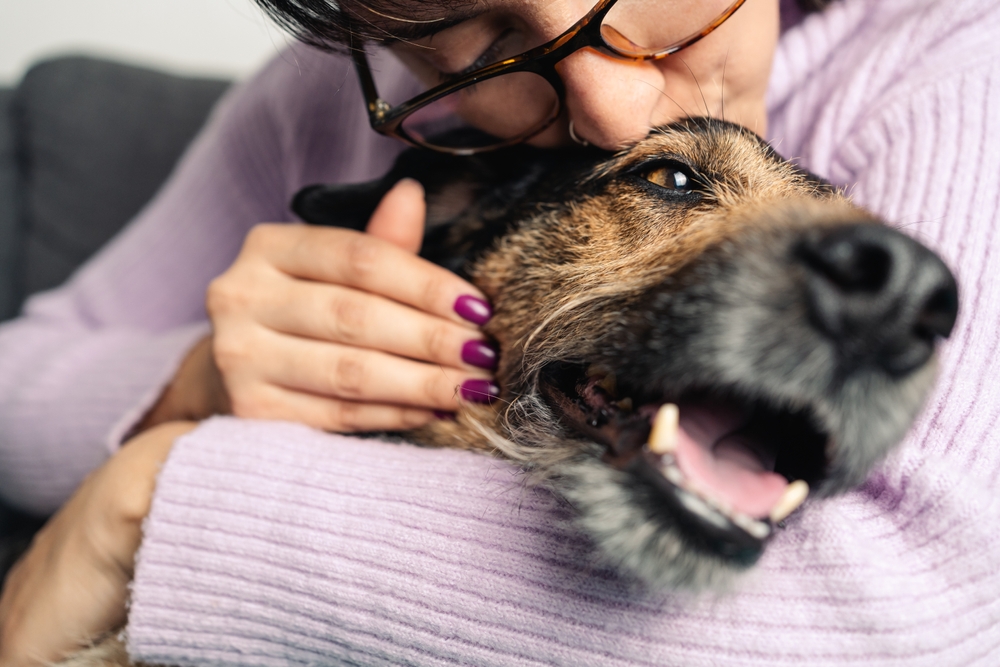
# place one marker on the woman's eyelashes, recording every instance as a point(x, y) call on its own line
point(504, 46)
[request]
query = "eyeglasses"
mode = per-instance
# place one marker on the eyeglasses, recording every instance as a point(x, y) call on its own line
point(518, 96)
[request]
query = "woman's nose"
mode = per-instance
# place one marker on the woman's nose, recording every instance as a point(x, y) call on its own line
point(611, 102)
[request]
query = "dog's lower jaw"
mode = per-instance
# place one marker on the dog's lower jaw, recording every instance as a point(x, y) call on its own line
point(612, 507)
point(632, 537)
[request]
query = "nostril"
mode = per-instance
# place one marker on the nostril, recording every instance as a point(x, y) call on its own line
point(850, 263)
point(937, 317)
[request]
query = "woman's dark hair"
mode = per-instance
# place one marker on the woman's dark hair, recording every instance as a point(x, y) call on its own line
point(326, 25)
point(333, 25)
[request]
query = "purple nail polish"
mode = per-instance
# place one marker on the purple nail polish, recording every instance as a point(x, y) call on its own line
point(473, 309)
point(444, 416)
point(480, 354)
point(479, 391)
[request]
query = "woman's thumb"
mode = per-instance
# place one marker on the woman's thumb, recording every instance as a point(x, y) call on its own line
point(399, 217)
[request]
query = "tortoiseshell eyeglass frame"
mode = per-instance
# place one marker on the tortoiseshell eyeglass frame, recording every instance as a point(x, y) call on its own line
point(388, 120)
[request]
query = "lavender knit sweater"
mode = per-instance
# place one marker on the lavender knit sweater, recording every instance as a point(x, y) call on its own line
point(273, 544)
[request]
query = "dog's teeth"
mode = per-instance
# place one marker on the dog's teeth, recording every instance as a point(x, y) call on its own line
point(609, 383)
point(663, 437)
point(594, 370)
point(795, 494)
point(758, 529)
point(698, 506)
point(625, 405)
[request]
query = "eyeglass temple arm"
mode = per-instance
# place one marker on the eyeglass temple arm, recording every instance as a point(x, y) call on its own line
point(377, 107)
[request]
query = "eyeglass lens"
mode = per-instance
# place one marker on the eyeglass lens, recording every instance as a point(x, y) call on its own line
point(515, 106)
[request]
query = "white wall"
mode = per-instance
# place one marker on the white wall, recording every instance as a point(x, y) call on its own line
point(212, 37)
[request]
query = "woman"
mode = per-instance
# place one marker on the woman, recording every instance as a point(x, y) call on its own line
point(273, 542)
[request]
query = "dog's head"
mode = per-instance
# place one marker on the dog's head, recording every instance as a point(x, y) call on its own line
point(794, 332)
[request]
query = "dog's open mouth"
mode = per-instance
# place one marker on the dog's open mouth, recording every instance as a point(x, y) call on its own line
point(725, 466)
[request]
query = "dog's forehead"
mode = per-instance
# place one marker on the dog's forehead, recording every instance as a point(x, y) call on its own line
point(732, 161)
point(711, 146)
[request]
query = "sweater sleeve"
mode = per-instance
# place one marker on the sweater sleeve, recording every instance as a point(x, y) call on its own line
point(270, 544)
point(84, 362)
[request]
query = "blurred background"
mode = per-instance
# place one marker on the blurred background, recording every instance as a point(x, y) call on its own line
point(219, 38)
point(85, 142)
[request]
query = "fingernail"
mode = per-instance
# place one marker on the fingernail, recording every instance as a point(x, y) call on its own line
point(480, 354)
point(445, 416)
point(473, 309)
point(479, 391)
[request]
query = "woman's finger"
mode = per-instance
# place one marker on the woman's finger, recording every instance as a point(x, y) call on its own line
point(399, 217)
point(350, 317)
point(370, 264)
point(354, 374)
point(331, 414)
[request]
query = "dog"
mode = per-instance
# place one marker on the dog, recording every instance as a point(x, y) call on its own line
point(695, 334)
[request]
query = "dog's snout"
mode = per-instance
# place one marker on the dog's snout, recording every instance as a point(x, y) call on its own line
point(881, 296)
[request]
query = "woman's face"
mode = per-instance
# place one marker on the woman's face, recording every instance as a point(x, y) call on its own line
point(611, 102)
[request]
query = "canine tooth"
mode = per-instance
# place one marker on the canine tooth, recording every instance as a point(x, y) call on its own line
point(609, 383)
point(795, 494)
point(663, 437)
point(625, 405)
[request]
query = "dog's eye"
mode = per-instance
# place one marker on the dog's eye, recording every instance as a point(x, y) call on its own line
point(671, 177)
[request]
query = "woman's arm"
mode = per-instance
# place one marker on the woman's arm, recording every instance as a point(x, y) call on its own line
point(73, 583)
point(124, 344)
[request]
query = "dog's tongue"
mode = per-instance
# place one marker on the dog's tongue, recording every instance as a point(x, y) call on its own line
point(712, 454)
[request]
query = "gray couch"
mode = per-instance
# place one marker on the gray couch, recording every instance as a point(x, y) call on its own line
point(84, 144)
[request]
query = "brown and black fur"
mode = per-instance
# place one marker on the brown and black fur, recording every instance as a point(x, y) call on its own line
point(720, 289)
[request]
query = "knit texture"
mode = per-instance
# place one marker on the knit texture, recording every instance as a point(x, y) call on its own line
point(339, 550)
point(272, 544)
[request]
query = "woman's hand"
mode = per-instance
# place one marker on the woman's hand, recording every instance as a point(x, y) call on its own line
point(72, 584)
point(339, 330)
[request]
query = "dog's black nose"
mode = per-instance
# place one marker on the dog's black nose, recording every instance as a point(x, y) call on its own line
point(880, 295)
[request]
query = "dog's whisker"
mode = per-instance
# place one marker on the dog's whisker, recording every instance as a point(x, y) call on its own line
point(722, 85)
point(683, 111)
point(694, 77)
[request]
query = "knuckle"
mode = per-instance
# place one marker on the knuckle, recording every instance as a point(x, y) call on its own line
point(350, 317)
point(436, 289)
point(226, 295)
point(437, 344)
point(230, 352)
point(349, 373)
point(438, 390)
point(346, 417)
point(361, 256)
point(413, 418)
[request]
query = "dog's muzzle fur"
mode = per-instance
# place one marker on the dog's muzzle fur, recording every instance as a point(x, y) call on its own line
point(697, 269)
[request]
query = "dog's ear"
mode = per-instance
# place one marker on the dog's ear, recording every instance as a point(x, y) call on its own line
point(469, 198)
point(451, 184)
point(348, 205)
